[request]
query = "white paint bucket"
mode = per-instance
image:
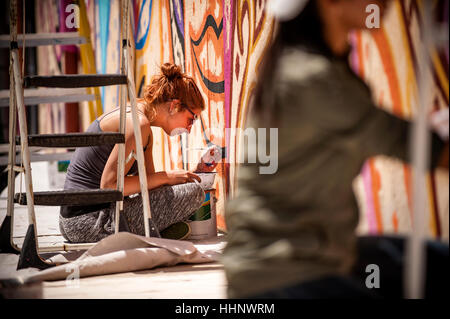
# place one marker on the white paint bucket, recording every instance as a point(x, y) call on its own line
point(203, 222)
point(207, 180)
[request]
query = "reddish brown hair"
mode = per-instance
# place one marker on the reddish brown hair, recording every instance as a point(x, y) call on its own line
point(172, 84)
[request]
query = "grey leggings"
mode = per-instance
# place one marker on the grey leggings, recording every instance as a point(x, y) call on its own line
point(168, 204)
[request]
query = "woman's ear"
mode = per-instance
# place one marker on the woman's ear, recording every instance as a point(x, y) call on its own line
point(175, 106)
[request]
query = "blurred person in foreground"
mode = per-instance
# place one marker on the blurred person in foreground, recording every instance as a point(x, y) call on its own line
point(292, 233)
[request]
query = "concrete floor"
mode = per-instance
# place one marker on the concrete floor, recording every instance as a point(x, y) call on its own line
point(187, 281)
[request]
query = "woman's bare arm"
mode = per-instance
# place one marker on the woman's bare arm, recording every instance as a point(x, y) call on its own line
point(131, 183)
point(154, 179)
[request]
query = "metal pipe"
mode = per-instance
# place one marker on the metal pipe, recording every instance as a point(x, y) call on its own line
point(21, 114)
point(414, 276)
point(24, 138)
point(139, 151)
point(122, 121)
point(150, 228)
point(11, 151)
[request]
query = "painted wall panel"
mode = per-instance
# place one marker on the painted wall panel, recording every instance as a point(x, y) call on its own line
point(221, 43)
point(388, 62)
point(200, 37)
point(51, 116)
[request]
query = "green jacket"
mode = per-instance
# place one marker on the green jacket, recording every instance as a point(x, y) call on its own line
point(299, 223)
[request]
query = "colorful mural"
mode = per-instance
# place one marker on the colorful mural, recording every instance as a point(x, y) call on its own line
point(51, 116)
point(220, 44)
point(106, 41)
point(388, 60)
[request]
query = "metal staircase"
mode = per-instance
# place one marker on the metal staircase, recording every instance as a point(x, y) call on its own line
point(29, 253)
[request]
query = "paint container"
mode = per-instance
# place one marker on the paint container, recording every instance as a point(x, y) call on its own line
point(207, 179)
point(203, 222)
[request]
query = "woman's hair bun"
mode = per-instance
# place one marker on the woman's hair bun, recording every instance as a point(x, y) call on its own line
point(171, 71)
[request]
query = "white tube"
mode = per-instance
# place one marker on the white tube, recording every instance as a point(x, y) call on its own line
point(415, 271)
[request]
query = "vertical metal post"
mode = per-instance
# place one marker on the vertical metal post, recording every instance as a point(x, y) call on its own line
point(22, 117)
point(29, 253)
point(414, 276)
point(11, 156)
point(122, 123)
point(150, 229)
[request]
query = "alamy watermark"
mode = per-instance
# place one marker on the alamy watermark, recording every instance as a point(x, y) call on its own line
point(73, 19)
point(373, 19)
point(373, 279)
point(257, 145)
point(73, 279)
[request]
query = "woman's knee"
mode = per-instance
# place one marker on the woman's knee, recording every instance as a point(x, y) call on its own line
point(61, 228)
point(195, 194)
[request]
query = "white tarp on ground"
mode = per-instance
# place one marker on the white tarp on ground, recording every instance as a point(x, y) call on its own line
point(122, 252)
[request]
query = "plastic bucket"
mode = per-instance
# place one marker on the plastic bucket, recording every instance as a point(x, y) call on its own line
point(203, 222)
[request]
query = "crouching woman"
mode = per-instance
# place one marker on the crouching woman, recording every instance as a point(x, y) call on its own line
point(172, 102)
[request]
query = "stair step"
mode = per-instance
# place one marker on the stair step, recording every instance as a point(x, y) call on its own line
point(71, 197)
point(39, 157)
point(45, 95)
point(75, 80)
point(74, 139)
point(37, 39)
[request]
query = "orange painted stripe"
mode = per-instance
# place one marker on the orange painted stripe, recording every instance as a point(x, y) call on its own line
point(221, 222)
point(180, 154)
point(169, 146)
point(169, 28)
point(163, 153)
point(161, 40)
point(384, 48)
point(376, 186)
point(411, 85)
point(359, 45)
point(395, 221)
point(432, 215)
point(436, 205)
point(407, 180)
point(443, 79)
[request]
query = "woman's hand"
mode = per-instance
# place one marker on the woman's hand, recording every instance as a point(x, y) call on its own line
point(209, 160)
point(203, 167)
point(181, 177)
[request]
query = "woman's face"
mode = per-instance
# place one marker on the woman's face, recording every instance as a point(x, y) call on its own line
point(181, 121)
